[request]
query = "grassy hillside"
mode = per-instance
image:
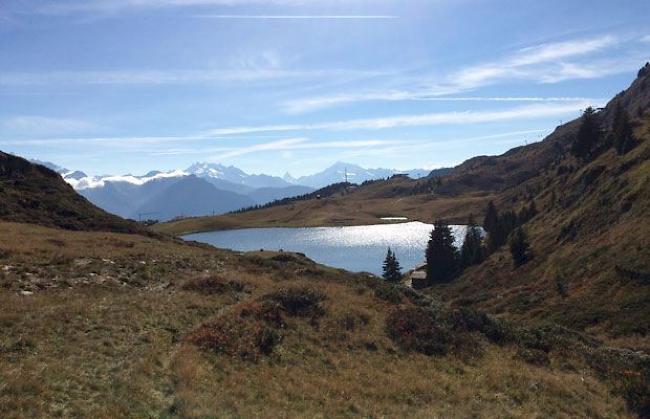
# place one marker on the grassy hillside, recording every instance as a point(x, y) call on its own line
point(113, 325)
point(359, 206)
point(591, 237)
point(32, 193)
point(591, 242)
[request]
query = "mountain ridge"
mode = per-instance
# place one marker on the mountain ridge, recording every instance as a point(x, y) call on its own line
point(33, 193)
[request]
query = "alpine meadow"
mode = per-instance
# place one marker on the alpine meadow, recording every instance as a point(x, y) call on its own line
point(301, 209)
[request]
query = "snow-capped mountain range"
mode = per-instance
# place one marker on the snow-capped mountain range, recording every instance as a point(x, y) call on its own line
point(211, 171)
point(341, 171)
point(205, 188)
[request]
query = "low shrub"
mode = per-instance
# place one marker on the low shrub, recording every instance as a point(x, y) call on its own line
point(287, 258)
point(498, 332)
point(213, 285)
point(419, 330)
point(353, 320)
point(248, 334)
point(389, 292)
point(299, 302)
point(265, 311)
point(632, 274)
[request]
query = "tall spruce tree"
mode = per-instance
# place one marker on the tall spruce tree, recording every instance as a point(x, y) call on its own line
point(506, 222)
point(588, 138)
point(519, 247)
point(442, 255)
point(392, 269)
point(491, 217)
point(472, 251)
point(623, 134)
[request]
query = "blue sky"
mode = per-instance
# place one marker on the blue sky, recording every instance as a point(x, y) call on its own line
point(271, 86)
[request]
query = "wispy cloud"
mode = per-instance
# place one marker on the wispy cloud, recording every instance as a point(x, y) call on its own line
point(295, 144)
point(646, 39)
point(282, 145)
point(299, 17)
point(409, 148)
point(115, 6)
point(431, 119)
point(162, 77)
point(39, 125)
point(545, 63)
point(316, 103)
point(525, 63)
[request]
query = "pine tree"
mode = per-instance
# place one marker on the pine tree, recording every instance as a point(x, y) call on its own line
point(472, 251)
point(442, 255)
point(519, 247)
point(491, 218)
point(623, 135)
point(587, 140)
point(505, 224)
point(392, 269)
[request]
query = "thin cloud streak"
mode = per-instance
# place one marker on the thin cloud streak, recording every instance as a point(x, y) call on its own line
point(312, 104)
point(164, 77)
point(542, 63)
point(432, 119)
point(409, 148)
point(289, 144)
point(299, 17)
point(117, 6)
point(40, 125)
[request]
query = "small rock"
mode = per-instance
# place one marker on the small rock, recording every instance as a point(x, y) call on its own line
point(26, 293)
point(82, 262)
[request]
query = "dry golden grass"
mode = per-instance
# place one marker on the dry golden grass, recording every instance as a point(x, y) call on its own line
point(360, 207)
point(610, 239)
point(117, 349)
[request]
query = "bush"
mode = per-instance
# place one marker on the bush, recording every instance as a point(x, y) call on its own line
point(287, 258)
point(388, 292)
point(213, 285)
point(497, 331)
point(419, 330)
point(302, 302)
point(519, 247)
point(534, 357)
point(248, 334)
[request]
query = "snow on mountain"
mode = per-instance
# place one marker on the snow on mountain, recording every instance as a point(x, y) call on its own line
point(354, 173)
point(89, 182)
point(235, 175)
point(234, 179)
point(206, 188)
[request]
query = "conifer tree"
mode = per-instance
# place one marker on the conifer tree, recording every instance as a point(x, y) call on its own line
point(588, 137)
point(519, 247)
point(491, 218)
point(622, 131)
point(442, 255)
point(392, 269)
point(472, 251)
point(505, 223)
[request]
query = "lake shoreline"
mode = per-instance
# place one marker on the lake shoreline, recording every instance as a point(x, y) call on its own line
point(360, 248)
point(221, 223)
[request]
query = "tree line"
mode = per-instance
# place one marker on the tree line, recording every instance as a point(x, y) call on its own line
point(591, 140)
point(445, 261)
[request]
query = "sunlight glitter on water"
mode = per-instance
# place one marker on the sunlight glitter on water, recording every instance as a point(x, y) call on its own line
point(357, 248)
